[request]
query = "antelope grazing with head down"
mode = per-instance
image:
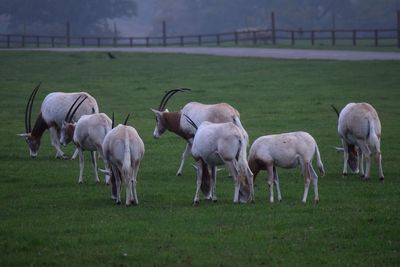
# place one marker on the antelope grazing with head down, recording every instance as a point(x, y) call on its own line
point(123, 151)
point(175, 122)
point(51, 116)
point(359, 128)
point(88, 134)
point(286, 150)
point(217, 144)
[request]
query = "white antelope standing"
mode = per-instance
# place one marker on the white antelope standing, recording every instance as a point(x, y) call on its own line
point(87, 134)
point(52, 114)
point(123, 151)
point(217, 144)
point(198, 112)
point(286, 150)
point(359, 128)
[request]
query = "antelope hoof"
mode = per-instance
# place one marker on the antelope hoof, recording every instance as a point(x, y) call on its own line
point(382, 179)
point(344, 174)
point(215, 200)
point(118, 203)
point(178, 174)
point(80, 182)
point(128, 205)
point(316, 201)
point(195, 203)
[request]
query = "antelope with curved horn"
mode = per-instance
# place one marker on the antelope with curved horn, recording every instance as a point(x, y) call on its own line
point(359, 128)
point(51, 116)
point(123, 151)
point(198, 112)
point(218, 144)
point(87, 134)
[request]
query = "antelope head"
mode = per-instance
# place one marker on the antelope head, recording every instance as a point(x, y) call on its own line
point(68, 125)
point(32, 140)
point(161, 126)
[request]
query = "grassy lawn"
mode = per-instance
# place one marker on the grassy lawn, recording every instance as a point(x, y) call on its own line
point(48, 219)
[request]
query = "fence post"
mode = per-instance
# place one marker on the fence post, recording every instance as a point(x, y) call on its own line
point(398, 28)
point(98, 41)
point(37, 41)
point(312, 37)
point(147, 42)
point(200, 40)
point(254, 37)
point(52, 41)
point(273, 28)
point(181, 40)
point(376, 37)
point(23, 41)
point(130, 41)
point(236, 38)
point(292, 36)
point(164, 33)
point(354, 37)
point(68, 34)
point(218, 39)
point(8, 41)
point(333, 37)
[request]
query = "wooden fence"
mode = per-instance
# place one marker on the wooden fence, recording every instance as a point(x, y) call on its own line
point(274, 36)
point(367, 37)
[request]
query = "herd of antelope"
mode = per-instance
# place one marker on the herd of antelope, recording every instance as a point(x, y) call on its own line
point(214, 136)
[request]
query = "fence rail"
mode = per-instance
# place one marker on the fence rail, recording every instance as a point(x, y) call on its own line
point(355, 37)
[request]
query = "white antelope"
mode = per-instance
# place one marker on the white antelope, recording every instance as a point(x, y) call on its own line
point(198, 112)
point(286, 150)
point(123, 151)
point(87, 134)
point(217, 144)
point(359, 128)
point(52, 114)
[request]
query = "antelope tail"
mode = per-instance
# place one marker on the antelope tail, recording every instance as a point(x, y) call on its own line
point(319, 161)
point(126, 165)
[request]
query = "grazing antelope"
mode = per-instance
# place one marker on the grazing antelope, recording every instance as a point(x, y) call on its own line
point(87, 134)
point(217, 144)
point(287, 150)
point(123, 151)
point(175, 122)
point(359, 128)
point(51, 116)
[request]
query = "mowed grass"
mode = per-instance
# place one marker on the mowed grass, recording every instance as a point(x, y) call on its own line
point(48, 219)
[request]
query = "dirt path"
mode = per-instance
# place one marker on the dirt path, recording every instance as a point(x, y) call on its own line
point(239, 52)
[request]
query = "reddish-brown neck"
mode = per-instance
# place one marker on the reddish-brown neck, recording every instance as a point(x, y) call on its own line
point(39, 127)
point(171, 121)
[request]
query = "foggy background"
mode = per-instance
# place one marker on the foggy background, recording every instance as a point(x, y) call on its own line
point(141, 18)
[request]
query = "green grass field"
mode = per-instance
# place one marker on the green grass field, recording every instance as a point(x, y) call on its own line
point(48, 219)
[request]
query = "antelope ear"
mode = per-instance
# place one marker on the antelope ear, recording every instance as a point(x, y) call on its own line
point(339, 149)
point(155, 111)
point(166, 110)
point(24, 135)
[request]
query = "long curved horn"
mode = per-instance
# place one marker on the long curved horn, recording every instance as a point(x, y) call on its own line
point(76, 108)
point(191, 122)
point(127, 117)
point(168, 95)
point(335, 109)
point(70, 109)
point(28, 109)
